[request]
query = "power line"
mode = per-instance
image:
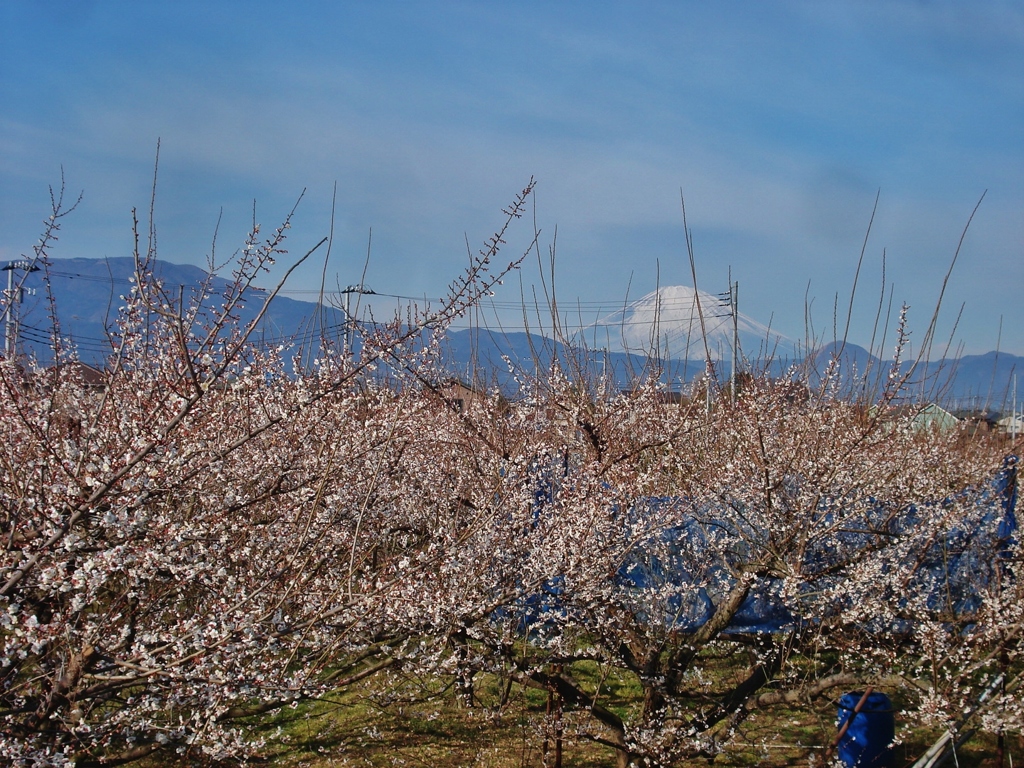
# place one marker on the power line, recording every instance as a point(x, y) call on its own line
point(609, 304)
point(308, 332)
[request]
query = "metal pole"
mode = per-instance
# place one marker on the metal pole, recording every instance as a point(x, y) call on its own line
point(9, 319)
point(734, 304)
point(1013, 419)
point(735, 290)
point(349, 322)
point(10, 322)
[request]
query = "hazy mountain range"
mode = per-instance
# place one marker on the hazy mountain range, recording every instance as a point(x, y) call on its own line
point(88, 293)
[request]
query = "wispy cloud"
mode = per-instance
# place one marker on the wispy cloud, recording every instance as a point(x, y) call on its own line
point(779, 122)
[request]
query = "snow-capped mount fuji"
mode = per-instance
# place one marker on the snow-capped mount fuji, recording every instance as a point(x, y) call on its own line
point(669, 320)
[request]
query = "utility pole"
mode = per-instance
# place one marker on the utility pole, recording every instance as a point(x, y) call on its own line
point(13, 296)
point(1013, 419)
point(349, 322)
point(731, 299)
point(734, 290)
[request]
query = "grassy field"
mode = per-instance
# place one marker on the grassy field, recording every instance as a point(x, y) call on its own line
point(408, 722)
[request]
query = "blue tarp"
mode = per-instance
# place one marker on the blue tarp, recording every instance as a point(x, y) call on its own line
point(670, 572)
point(952, 571)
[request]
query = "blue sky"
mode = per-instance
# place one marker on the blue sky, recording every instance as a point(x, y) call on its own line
point(779, 121)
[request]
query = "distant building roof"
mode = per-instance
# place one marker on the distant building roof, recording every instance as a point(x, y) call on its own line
point(928, 416)
point(89, 375)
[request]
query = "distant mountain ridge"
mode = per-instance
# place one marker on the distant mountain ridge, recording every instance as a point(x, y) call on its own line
point(88, 293)
point(968, 382)
point(972, 382)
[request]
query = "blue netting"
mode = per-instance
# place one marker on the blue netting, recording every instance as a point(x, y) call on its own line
point(668, 577)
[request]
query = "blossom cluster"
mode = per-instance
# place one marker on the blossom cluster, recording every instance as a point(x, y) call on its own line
point(214, 534)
